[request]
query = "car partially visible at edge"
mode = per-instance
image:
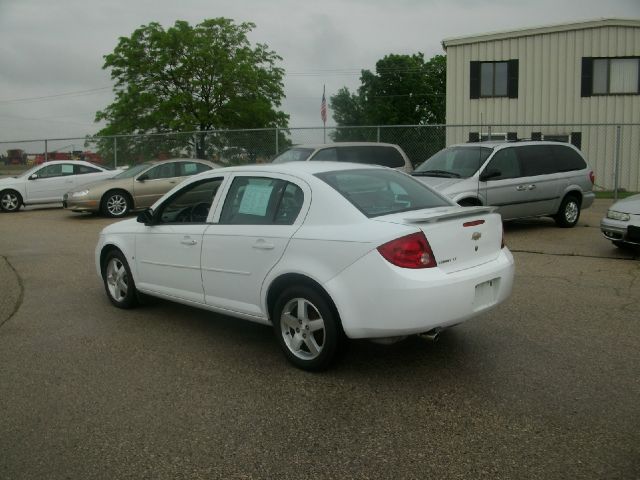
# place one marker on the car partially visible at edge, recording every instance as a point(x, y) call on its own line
point(621, 225)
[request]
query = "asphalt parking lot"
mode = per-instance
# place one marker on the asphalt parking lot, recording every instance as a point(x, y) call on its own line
point(546, 386)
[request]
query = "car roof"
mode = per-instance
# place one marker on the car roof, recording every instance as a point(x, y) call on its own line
point(506, 143)
point(317, 146)
point(297, 168)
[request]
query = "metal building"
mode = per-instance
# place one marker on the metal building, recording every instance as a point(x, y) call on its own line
point(577, 82)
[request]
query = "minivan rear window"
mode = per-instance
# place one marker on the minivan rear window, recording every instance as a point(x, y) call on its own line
point(382, 192)
point(567, 159)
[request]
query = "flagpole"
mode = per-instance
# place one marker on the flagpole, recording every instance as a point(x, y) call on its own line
point(323, 113)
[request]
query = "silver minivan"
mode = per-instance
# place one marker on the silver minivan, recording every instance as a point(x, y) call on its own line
point(522, 179)
point(370, 153)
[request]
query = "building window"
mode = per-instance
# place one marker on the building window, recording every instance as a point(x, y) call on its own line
point(494, 79)
point(610, 76)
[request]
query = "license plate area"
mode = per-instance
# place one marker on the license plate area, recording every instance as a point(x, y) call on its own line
point(486, 294)
point(633, 233)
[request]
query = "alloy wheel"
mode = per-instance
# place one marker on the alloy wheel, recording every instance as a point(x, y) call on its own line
point(9, 201)
point(571, 212)
point(117, 205)
point(303, 329)
point(117, 279)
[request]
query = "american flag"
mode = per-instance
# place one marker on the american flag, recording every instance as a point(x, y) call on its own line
point(323, 107)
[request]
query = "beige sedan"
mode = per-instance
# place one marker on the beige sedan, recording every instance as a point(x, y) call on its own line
point(135, 188)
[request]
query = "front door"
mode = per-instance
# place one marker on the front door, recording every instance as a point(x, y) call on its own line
point(155, 182)
point(50, 183)
point(168, 252)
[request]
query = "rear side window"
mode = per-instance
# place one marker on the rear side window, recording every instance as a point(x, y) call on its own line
point(293, 155)
point(327, 155)
point(567, 159)
point(382, 192)
point(192, 168)
point(536, 160)
point(82, 169)
point(261, 201)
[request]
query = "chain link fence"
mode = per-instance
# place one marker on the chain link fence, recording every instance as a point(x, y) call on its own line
point(612, 150)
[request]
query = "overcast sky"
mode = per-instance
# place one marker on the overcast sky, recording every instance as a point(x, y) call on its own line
point(55, 49)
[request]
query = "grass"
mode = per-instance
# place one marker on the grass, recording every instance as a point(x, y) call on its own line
point(610, 194)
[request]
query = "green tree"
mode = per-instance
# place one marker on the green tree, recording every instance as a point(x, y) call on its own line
point(404, 90)
point(193, 78)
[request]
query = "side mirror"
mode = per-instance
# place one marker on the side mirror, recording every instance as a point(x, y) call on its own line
point(490, 173)
point(146, 217)
point(33, 177)
point(142, 177)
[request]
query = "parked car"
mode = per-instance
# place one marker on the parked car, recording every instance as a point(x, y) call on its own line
point(370, 153)
point(319, 250)
point(135, 188)
point(48, 183)
point(622, 223)
point(522, 179)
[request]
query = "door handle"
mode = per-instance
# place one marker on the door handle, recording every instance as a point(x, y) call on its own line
point(520, 188)
point(262, 245)
point(188, 241)
point(532, 187)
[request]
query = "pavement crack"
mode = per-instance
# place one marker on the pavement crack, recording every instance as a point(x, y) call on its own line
point(20, 299)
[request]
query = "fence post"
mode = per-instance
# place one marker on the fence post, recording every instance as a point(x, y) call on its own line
point(115, 152)
point(277, 141)
point(46, 151)
point(488, 133)
point(616, 167)
point(378, 134)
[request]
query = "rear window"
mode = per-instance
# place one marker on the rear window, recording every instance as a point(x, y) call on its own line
point(371, 155)
point(293, 155)
point(382, 192)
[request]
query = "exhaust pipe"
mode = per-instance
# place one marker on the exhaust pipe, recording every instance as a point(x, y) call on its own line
point(432, 335)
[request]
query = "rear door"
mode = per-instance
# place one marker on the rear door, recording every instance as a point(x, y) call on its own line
point(259, 216)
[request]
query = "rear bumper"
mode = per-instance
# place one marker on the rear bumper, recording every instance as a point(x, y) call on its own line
point(587, 199)
point(376, 299)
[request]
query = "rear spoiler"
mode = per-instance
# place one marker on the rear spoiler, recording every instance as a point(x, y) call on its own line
point(431, 217)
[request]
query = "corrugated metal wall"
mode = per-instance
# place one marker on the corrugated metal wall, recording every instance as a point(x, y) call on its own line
point(550, 66)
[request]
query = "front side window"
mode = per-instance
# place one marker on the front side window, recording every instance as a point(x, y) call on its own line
point(381, 191)
point(261, 201)
point(191, 204)
point(57, 170)
point(454, 162)
point(505, 162)
point(610, 76)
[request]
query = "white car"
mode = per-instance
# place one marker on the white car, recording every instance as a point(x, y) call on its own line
point(319, 250)
point(621, 225)
point(47, 183)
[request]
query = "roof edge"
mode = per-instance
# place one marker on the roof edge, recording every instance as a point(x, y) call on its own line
point(560, 27)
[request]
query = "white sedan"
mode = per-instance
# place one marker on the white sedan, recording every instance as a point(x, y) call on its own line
point(320, 250)
point(47, 183)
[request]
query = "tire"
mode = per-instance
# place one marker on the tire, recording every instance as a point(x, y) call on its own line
point(118, 281)
point(307, 328)
point(10, 201)
point(116, 204)
point(568, 213)
point(469, 202)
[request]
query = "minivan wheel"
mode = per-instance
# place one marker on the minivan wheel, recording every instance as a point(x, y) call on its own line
point(568, 213)
point(118, 281)
point(10, 201)
point(306, 327)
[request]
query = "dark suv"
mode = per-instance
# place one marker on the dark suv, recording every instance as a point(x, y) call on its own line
point(522, 179)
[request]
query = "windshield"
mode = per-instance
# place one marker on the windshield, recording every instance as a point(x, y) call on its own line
point(382, 191)
point(133, 171)
point(293, 155)
point(28, 172)
point(454, 162)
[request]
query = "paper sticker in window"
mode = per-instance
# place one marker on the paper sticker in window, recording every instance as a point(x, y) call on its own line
point(190, 168)
point(255, 200)
point(67, 169)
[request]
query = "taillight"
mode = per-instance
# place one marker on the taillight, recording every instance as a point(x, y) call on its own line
point(592, 177)
point(411, 251)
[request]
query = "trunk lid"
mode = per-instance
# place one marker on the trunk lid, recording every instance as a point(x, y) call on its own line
point(460, 237)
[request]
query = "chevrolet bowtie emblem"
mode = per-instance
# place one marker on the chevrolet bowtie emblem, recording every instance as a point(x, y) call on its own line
point(476, 236)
